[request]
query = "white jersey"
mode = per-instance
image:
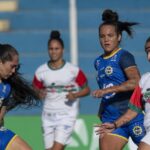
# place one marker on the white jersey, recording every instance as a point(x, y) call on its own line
point(140, 99)
point(58, 83)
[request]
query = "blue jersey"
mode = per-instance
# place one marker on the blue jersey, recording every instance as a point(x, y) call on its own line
point(6, 136)
point(113, 105)
point(4, 93)
point(110, 73)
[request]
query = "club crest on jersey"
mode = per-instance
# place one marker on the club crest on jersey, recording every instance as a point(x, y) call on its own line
point(108, 70)
point(137, 130)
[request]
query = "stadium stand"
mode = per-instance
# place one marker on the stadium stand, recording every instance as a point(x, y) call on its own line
point(29, 24)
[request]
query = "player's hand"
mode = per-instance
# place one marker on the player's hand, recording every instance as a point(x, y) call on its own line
point(104, 128)
point(98, 93)
point(71, 96)
point(42, 93)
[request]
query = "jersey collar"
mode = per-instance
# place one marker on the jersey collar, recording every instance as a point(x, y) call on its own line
point(112, 54)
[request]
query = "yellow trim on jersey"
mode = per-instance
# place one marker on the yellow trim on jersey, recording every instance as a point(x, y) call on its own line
point(113, 53)
point(11, 141)
point(119, 136)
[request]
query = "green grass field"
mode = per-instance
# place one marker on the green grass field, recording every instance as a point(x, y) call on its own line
point(29, 128)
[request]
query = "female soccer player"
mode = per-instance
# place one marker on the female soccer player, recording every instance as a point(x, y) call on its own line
point(14, 91)
point(140, 100)
point(117, 77)
point(60, 83)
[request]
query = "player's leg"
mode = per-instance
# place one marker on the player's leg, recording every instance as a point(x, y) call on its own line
point(143, 146)
point(145, 142)
point(115, 142)
point(63, 131)
point(48, 127)
point(57, 146)
point(18, 144)
point(48, 135)
point(11, 141)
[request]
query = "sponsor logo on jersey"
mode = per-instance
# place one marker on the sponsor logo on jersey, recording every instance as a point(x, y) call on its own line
point(53, 88)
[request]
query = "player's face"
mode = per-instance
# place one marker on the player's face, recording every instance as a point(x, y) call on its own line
point(147, 50)
point(8, 67)
point(55, 50)
point(109, 39)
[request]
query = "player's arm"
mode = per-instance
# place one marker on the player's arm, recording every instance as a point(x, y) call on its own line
point(127, 117)
point(133, 78)
point(84, 92)
point(2, 113)
point(39, 88)
point(128, 65)
point(81, 80)
point(109, 127)
point(135, 107)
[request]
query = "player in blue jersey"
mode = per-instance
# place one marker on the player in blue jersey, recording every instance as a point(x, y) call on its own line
point(14, 91)
point(117, 77)
point(139, 101)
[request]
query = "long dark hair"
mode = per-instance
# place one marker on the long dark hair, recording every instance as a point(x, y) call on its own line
point(110, 17)
point(22, 93)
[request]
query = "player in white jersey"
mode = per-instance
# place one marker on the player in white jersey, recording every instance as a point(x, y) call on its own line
point(140, 100)
point(60, 83)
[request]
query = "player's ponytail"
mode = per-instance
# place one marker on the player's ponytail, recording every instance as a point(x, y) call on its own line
point(110, 17)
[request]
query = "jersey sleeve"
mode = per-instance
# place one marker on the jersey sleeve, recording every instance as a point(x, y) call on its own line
point(136, 100)
point(37, 80)
point(127, 60)
point(95, 66)
point(81, 79)
point(37, 83)
point(96, 63)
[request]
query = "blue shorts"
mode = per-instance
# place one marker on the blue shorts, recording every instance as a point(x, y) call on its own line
point(6, 136)
point(134, 129)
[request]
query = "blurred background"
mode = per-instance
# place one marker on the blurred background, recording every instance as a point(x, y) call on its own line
point(26, 24)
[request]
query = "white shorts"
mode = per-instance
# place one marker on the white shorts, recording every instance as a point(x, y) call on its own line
point(146, 138)
point(57, 127)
